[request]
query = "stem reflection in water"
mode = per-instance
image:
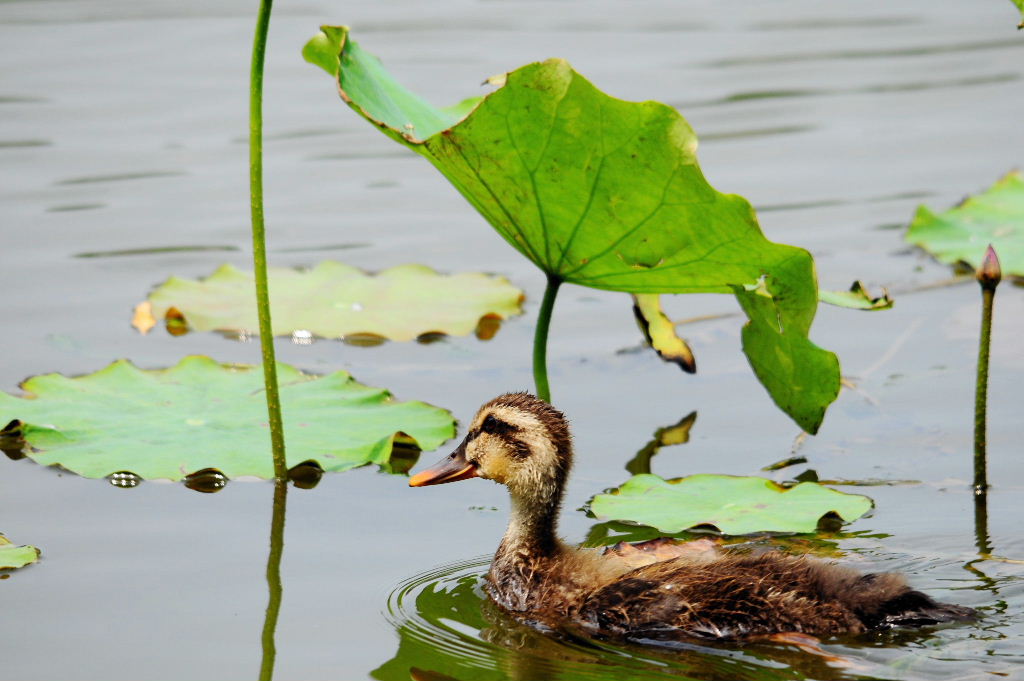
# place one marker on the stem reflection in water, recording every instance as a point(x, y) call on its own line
point(274, 578)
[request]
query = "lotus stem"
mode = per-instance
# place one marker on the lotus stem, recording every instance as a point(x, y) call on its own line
point(540, 338)
point(274, 579)
point(988, 275)
point(259, 243)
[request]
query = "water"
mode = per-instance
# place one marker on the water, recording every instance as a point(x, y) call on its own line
point(123, 162)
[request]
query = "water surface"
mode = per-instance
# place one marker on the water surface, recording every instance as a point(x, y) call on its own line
point(121, 164)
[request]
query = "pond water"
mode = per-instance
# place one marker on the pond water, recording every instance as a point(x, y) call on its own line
point(123, 162)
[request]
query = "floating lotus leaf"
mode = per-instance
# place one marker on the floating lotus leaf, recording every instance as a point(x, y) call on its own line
point(962, 233)
point(12, 556)
point(599, 192)
point(334, 300)
point(201, 414)
point(733, 505)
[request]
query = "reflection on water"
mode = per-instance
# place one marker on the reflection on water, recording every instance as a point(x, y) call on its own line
point(923, 50)
point(120, 177)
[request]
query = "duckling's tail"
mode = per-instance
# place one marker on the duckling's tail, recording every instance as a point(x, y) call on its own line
point(883, 601)
point(915, 609)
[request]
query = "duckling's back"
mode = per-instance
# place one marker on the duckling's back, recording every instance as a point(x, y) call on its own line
point(743, 596)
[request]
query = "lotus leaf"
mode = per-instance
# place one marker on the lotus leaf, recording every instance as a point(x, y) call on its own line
point(962, 233)
point(12, 556)
point(597, 191)
point(660, 332)
point(199, 414)
point(857, 298)
point(733, 505)
point(334, 300)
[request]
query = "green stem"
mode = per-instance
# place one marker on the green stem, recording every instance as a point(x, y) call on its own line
point(540, 339)
point(988, 294)
point(274, 579)
point(259, 243)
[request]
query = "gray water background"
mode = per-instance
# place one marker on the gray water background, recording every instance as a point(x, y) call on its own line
point(123, 130)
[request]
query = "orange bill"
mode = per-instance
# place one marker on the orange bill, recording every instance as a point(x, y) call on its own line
point(451, 468)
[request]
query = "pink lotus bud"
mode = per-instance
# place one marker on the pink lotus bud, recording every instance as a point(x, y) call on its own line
point(989, 274)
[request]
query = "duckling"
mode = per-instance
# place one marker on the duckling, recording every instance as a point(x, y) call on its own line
point(524, 443)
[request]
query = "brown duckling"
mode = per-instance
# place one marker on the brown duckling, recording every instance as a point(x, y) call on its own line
point(524, 443)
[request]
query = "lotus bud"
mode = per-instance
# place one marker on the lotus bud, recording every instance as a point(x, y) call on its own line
point(989, 274)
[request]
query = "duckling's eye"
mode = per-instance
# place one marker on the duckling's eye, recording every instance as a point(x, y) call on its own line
point(490, 424)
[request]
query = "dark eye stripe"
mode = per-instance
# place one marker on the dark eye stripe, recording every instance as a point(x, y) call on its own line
point(492, 425)
point(495, 426)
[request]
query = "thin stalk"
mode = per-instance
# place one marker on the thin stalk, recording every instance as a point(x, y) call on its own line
point(259, 244)
point(981, 393)
point(274, 579)
point(540, 339)
point(988, 275)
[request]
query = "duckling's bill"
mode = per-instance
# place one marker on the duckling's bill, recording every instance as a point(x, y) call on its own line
point(451, 468)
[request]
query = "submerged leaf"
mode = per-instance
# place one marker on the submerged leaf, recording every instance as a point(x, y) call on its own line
point(963, 233)
point(733, 505)
point(13, 557)
point(334, 301)
point(200, 414)
point(857, 298)
point(599, 192)
point(660, 332)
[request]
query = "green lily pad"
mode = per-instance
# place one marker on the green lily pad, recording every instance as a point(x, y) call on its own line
point(733, 505)
point(962, 233)
point(599, 192)
point(333, 300)
point(1020, 6)
point(200, 414)
point(13, 557)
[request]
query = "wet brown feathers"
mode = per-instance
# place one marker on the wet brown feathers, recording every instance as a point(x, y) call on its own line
point(525, 444)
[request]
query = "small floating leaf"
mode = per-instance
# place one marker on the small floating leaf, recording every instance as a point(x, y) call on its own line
point(333, 300)
point(733, 505)
point(601, 192)
point(963, 233)
point(201, 415)
point(12, 556)
point(142, 317)
point(857, 298)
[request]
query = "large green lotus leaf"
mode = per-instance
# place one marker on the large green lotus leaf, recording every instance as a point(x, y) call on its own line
point(169, 423)
point(333, 300)
point(734, 505)
point(962, 233)
point(594, 190)
point(13, 556)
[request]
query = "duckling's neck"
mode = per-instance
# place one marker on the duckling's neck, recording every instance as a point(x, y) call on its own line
point(533, 523)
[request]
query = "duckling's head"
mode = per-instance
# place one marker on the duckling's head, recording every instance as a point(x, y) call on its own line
point(516, 440)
